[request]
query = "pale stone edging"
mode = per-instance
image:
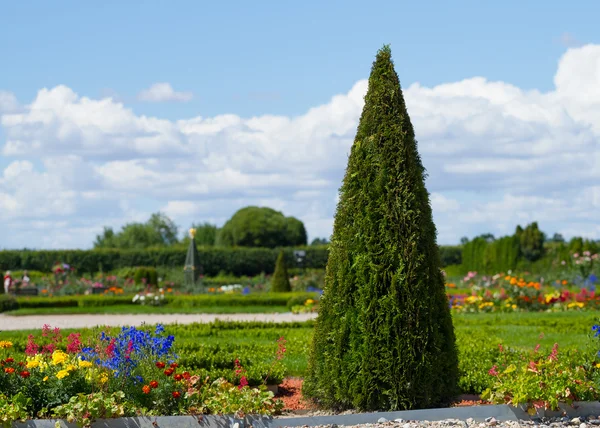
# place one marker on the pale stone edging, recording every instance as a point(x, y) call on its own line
point(478, 413)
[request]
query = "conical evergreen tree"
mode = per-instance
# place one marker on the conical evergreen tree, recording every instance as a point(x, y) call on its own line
point(280, 281)
point(384, 338)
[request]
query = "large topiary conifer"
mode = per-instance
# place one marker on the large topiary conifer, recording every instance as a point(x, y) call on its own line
point(384, 338)
point(280, 281)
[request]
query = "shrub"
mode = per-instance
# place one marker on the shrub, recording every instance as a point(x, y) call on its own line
point(384, 338)
point(7, 303)
point(235, 261)
point(280, 281)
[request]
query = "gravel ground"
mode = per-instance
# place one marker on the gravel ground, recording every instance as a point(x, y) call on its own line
point(490, 422)
point(29, 322)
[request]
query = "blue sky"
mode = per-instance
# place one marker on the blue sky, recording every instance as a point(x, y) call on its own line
point(274, 59)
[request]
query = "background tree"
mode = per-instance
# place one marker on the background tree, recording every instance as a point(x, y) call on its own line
point(261, 227)
point(280, 282)
point(320, 241)
point(206, 234)
point(532, 242)
point(384, 338)
point(159, 230)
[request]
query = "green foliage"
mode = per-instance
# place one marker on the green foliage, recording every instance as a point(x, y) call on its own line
point(236, 261)
point(159, 230)
point(145, 275)
point(83, 409)
point(280, 282)
point(384, 338)
point(450, 255)
point(531, 240)
point(173, 301)
point(542, 381)
point(7, 302)
point(261, 227)
point(319, 241)
point(206, 234)
point(14, 409)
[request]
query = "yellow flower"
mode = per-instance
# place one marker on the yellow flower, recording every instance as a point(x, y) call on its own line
point(507, 278)
point(59, 357)
point(514, 306)
point(62, 374)
point(598, 365)
point(309, 302)
point(45, 378)
point(85, 364)
point(104, 378)
point(71, 367)
point(5, 344)
point(32, 364)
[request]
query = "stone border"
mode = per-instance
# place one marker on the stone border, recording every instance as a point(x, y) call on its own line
point(477, 413)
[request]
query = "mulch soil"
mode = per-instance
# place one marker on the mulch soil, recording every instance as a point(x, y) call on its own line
point(290, 392)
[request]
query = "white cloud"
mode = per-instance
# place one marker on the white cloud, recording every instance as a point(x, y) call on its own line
point(161, 92)
point(496, 156)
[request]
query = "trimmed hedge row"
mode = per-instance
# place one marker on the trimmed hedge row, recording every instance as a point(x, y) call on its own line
point(184, 301)
point(237, 261)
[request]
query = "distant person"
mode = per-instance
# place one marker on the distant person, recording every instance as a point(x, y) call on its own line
point(25, 280)
point(7, 281)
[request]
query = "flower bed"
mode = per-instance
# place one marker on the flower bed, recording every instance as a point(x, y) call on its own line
point(130, 374)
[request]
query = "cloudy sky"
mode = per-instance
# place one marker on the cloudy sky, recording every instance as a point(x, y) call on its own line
point(110, 112)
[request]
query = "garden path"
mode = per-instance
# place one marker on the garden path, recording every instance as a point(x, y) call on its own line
point(34, 322)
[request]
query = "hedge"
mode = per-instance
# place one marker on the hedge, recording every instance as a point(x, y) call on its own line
point(183, 301)
point(237, 261)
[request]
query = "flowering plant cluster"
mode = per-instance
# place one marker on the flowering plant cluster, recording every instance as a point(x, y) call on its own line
point(150, 298)
point(309, 305)
point(543, 381)
point(134, 372)
point(513, 293)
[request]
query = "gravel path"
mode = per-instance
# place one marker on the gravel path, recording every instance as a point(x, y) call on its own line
point(28, 322)
point(490, 422)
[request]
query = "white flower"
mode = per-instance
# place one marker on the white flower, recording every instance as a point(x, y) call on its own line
point(142, 298)
point(136, 298)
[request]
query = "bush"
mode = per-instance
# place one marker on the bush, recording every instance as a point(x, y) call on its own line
point(280, 281)
point(384, 338)
point(7, 302)
point(147, 275)
point(235, 261)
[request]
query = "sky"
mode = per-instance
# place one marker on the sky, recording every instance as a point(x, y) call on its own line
point(112, 111)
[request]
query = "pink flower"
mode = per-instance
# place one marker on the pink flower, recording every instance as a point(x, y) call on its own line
point(243, 382)
point(32, 348)
point(554, 354)
point(73, 343)
point(493, 371)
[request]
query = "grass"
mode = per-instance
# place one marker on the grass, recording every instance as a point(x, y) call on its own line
point(139, 309)
point(478, 336)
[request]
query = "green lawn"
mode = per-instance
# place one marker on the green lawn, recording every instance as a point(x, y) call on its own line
point(139, 309)
point(478, 336)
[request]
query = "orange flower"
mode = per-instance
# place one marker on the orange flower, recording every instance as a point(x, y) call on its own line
point(9, 370)
point(176, 394)
point(178, 377)
point(10, 360)
point(154, 384)
point(186, 375)
point(160, 365)
point(24, 374)
point(169, 372)
point(174, 365)
point(146, 389)
point(564, 282)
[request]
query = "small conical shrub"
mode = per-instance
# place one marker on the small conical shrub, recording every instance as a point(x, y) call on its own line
point(384, 338)
point(280, 281)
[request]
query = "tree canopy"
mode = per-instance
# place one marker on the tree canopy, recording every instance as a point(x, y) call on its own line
point(261, 227)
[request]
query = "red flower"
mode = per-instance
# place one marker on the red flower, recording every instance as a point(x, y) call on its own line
point(10, 360)
point(160, 365)
point(9, 370)
point(186, 375)
point(146, 389)
point(154, 384)
point(174, 365)
point(21, 364)
point(25, 374)
point(169, 372)
point(178, 377)
point(176, 394)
